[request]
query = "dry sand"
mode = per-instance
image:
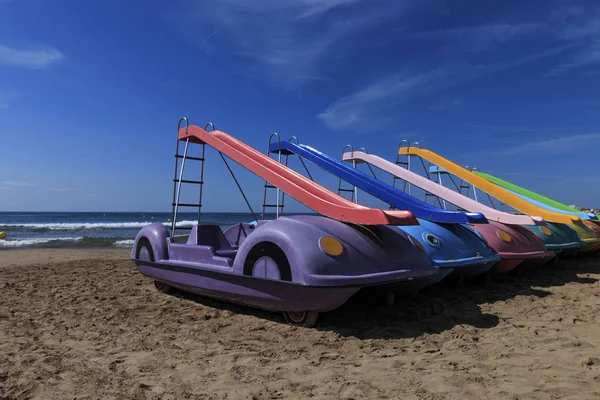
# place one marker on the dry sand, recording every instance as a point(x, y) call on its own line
point(95, 329)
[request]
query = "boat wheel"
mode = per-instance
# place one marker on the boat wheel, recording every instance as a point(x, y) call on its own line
point(518, 272)
point(163, 287)
point(454, 280)
point(390, 299)
point(307, 319)
point(485, 278)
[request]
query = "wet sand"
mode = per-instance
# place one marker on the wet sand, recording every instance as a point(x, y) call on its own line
point(79, 324)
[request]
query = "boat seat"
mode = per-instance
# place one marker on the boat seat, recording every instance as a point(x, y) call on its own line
point(212, 235)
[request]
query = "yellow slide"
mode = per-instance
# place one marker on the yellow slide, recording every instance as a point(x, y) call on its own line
point(496, 191)
point(590, 239)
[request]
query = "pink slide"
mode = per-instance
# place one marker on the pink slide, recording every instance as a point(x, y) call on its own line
point(307, 192)
point(444, 193)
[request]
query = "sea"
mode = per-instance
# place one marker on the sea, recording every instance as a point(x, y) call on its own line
point(96, 229)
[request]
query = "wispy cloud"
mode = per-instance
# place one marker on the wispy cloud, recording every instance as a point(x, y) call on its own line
point(585, 103)
point(20, 183)
point(358, 110)
point(581, 27)
point(36, 185)
point(477, 37)
point(32, 58)
point(363, 109)
point(7, 98)
point(287, 42)
point(560, 145)
point(447, 104)
point(521, 129)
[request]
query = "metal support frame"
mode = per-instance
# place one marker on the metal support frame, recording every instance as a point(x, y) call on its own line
point(179, 171)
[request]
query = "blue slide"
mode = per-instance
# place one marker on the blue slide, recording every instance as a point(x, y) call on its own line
point(375, 187)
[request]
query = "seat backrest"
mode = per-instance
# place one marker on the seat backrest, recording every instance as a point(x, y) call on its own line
point(212, 235)
point(237, 233)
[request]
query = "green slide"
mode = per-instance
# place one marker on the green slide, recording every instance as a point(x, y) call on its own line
point(522, 191)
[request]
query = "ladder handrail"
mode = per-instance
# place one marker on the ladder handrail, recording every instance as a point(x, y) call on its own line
point(177, 188)
point(354, 196)
point(436, 199)
point(277, 207)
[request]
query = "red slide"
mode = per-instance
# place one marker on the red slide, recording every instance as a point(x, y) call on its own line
point(292, 183)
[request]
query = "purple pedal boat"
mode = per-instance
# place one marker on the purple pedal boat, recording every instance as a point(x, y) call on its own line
point(298, 265)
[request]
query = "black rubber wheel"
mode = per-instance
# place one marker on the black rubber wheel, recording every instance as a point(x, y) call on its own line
point(144, 252)
point(454, 280)
point(486, 278)
point(390, 299)
point(163, 287)
point(518, 272)
point(307, 319)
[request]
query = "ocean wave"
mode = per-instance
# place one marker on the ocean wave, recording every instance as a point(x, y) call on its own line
point(28, 242)
point(128, 243)
point(79, 226)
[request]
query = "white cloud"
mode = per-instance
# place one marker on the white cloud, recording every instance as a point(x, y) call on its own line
point(362, 110)
point(581, 28)
point(477, 37)
point(585, 103)
point(521, 129)
point(357, 111)
point(560, 145)
point(6, 98)
point(36, 185)
point(20, 183)
point(35, 58)
point(288, 43)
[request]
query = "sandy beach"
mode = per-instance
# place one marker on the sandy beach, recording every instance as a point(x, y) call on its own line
point(83, 324)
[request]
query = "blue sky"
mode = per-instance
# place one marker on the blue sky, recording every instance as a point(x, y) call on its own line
point(90, 92)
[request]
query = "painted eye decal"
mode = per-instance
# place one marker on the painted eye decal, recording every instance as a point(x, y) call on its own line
point(594, 228)
point(432, 239)
point(331, 246)
point(504, 236)
point(546, 231)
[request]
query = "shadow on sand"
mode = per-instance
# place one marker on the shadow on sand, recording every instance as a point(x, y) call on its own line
point(435, 309)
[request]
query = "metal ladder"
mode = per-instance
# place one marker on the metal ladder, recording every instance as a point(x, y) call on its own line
point(268, 186)
point(406, 164)
point(487, 194)
point(354, 190)
point(178, 180)
point(280, 195)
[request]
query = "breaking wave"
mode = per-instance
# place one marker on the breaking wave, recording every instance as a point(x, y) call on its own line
point(80, 226)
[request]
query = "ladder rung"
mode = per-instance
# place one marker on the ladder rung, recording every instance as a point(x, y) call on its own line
point(272, 205)
point(346, 190)
point(430, 194)
point(464, 187)
point(188, 181)
point(270, 186)
point(186, 205)
point(189, 157)
point(402, 163)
